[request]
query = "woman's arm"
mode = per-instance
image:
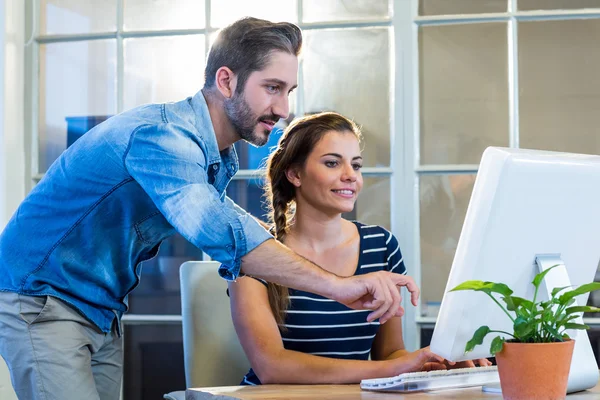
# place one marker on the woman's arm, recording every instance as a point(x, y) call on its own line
point(272, 363)
point(388, 343)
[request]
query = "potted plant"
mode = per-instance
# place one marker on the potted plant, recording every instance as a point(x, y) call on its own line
point(534, 360)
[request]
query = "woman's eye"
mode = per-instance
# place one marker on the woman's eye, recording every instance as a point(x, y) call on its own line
point(356, 167)
point(331, 164)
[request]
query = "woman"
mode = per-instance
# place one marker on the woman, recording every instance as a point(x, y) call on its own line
point(292, 336)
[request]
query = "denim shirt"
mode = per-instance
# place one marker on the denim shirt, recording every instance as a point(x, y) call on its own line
point(110, 199)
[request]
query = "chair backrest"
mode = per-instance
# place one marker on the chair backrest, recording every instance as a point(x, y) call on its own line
point(213, 355)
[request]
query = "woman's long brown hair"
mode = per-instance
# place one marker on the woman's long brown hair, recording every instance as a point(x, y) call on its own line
point(295, 145)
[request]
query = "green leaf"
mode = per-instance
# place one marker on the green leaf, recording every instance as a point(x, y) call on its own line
point(537, 280)
point(469, 285)
point(487, 287)
point(545, 304)
point(477, 338)
point(576, 326)
point(497, 345)
point(523, 327)
point(513, 303)
point(552, 331)
point(558, 289)
point(575, 309)
point(500, 288)
point(548, 316)
point(588, 287)
point(521, 302)
point(510, 304)
point(563, 320)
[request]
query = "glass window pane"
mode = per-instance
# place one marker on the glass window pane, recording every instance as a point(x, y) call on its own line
point(77, 91)
point(559, 94)
point(342, 10)
point(163, 14)
point(161, 69)
point(372, 206)
point(464, 91)
point(249, 194)
point(61, 17)
point(333, 59)
point(443, 205)
point(229, 11)
point(556, 4)
point(436, 7)
point(252, 157)
point(153, 361)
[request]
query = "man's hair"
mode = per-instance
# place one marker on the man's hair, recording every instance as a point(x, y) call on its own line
point(246, 46)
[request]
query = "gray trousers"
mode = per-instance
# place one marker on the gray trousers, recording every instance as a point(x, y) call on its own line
point(53, 352)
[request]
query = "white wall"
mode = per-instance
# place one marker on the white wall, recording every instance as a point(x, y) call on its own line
point(12, 144)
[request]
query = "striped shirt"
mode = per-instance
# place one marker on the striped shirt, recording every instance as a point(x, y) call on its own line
point(323, 327)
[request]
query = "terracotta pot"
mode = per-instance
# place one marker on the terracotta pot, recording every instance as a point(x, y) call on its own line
point(535, 371)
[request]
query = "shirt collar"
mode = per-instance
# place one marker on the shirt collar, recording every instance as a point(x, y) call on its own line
point(207, 131)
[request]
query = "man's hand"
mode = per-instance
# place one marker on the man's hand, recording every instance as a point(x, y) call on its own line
point(377, 291)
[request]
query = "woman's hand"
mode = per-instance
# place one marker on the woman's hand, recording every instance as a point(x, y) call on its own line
point(420, 360)
point(482, 362)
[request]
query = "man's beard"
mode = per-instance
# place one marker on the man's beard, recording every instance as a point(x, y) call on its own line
point(244, 121)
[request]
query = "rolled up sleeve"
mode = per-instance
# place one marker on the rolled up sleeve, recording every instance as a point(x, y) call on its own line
point(170, 166)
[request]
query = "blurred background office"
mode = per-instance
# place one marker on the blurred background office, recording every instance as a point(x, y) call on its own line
point(431, 82)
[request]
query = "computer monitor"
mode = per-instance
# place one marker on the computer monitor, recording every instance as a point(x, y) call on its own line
point(525, 203)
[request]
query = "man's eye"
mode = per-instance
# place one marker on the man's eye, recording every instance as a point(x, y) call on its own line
point(273, 89)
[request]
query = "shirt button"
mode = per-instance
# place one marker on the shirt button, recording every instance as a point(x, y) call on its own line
point(215, 167)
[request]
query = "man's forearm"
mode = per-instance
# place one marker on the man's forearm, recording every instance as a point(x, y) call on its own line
point(274, 262)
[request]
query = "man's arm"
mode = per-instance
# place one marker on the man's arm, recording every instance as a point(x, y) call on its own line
point(171, 168)
point(378, 291)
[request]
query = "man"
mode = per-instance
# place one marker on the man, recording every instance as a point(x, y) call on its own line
point(71, 253)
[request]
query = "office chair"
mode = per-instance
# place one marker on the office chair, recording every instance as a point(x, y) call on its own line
point(213, 355)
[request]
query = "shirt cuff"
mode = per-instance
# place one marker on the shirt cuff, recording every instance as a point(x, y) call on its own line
point(252, 234)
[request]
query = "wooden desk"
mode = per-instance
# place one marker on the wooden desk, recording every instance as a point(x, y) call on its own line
point(353, 392)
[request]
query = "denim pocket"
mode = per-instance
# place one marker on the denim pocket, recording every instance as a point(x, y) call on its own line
point(153, 229)
point(32, 308)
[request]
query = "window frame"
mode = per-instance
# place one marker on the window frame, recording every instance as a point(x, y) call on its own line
point(32, 70)
point(405, 169)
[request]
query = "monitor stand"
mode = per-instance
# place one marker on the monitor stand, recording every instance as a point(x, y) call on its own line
point(584, 370)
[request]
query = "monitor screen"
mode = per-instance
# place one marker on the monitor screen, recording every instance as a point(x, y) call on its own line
point(524, 203)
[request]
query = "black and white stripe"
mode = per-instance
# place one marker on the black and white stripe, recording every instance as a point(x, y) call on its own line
point(323, 327)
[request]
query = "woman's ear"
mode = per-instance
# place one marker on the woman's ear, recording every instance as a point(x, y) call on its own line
point(293, 176)
point(226, 80)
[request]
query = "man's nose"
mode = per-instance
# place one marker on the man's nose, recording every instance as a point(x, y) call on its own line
point(281, 108)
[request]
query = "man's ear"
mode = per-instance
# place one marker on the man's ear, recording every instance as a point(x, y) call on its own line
point(226, 80)
point(293, 176)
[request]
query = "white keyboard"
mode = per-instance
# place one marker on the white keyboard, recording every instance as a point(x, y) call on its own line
point(434, 380)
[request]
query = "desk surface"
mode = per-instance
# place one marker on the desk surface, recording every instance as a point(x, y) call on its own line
point(353, 392)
